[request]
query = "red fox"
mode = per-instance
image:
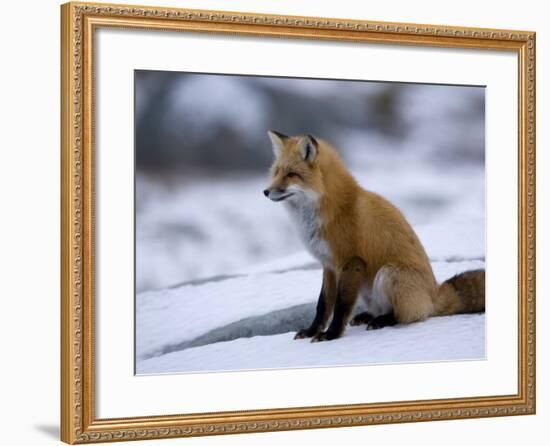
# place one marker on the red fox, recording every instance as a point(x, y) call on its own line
point(365, 245)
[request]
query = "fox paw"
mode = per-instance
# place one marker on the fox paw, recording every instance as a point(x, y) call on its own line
point(324, 336)
point(374, 326)
point(387, 320)
point(361, 319)
point(303, 333)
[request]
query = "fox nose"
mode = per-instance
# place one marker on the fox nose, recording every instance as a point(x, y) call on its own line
point(266, 192)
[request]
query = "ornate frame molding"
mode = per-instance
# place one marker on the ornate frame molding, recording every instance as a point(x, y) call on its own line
point(78, 424)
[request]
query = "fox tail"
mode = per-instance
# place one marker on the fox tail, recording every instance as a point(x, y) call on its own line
point(463, 293)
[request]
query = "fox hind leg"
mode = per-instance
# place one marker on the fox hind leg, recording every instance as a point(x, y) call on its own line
point(410, 294)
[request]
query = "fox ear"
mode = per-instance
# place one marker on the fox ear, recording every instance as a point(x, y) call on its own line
point(308, 147)
point(277, 141)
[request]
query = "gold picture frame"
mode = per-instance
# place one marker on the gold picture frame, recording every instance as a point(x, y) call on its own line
point(78, 24)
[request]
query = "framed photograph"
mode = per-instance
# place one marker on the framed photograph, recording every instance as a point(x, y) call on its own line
point(275, 223)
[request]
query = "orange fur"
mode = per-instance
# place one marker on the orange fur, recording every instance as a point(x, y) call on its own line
point(356, 223)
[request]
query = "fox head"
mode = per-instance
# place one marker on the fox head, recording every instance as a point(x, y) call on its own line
point(295, 173)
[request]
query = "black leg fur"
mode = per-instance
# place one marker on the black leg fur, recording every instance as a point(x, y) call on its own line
point(349, 283)
point(386, 320)
point(317, 321)
point(361, 318)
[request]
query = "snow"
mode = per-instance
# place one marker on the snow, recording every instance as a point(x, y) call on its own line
point(171, 316)
point(221, 275)
point(214, 100)
point(226, 223)
point(195, 224)
point(227, 323)
point(210, 226)
point(437, 339)
point(242, 283)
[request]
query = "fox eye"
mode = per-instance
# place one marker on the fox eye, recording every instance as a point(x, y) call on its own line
point(292, 175)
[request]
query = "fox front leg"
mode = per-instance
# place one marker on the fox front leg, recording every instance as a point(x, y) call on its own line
point(325, 306)
point(351, 279)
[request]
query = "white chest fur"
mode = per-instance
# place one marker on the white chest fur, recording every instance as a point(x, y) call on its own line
point(305, 216)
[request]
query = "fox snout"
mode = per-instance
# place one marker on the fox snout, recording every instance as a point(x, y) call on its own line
point(277, 194)
point(274, 190)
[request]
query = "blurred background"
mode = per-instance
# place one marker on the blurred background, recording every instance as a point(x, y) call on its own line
point(202, 160)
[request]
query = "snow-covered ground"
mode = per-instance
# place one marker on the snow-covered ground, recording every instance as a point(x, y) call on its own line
point(230, 322)
point(449, 338)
